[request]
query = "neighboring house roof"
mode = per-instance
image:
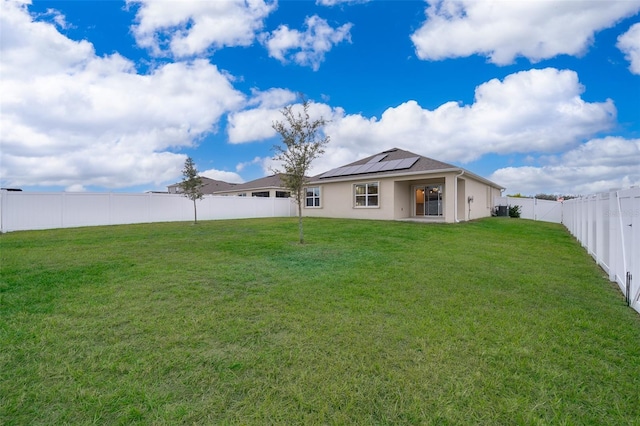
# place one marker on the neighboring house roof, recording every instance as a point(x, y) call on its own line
point(393, 162)
point(267, 182)
point(209, 186)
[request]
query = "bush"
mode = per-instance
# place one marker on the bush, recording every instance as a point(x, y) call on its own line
point(514, 211)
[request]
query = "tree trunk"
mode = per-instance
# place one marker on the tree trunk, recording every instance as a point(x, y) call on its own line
point(195, 212)
point(300, 220)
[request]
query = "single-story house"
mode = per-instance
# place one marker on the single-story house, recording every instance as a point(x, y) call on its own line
point(209, 186)
point(398, 184)
point(269, 186)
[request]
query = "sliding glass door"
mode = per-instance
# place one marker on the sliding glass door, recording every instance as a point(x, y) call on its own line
point(429, 200)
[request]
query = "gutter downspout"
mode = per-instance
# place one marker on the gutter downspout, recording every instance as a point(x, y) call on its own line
point(455, 197)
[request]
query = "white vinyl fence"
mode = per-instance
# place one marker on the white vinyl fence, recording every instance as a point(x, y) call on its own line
point(534, 208)
point(608, 227)
point(47, 210)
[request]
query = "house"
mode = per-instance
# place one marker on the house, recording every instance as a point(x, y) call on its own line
point(209, 186)
point(398, 184)
point(269, 186)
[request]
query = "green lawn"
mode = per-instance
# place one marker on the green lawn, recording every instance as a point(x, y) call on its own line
point(497, 321)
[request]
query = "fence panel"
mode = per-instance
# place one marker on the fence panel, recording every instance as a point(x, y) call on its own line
point(42, 210)
point(608, 226)
point(31, 211)
point(534, 208)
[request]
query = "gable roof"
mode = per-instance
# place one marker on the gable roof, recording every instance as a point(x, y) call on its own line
point(387, 162)
point(267, 182)
point(394, 161)
point(209, 186)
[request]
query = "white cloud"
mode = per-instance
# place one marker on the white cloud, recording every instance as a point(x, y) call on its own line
point(252, 125)
point(192, 27)
point(71, 118)
point(241, 166)
point(257, 124)
point(629, 44)
point(75, 188)
point(336, 2)
point(596, 166)
point(272, 98)
point(222, 175)
point(504, 30)
point(536, 111)
point(306, 48)
point(530, 112)
point(58, 18)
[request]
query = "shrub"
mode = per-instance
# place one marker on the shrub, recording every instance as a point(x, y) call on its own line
point(514, 211)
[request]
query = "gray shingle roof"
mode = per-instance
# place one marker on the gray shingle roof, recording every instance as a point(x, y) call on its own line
point(272, 181)
point(422, 164)
point(209, 186)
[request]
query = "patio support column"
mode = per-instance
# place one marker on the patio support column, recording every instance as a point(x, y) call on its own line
point(450, 198)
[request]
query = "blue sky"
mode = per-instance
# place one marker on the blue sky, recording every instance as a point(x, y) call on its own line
point(538, 96)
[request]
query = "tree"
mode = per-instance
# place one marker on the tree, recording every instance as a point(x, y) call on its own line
point(191, 185)
point(302, 144)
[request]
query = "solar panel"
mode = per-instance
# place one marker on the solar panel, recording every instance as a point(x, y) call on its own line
point(356, 170)
point(366, 167)
point(350, 170)
point(333, 172)
point(406, 163)
point(377, 167)
point(390, 165)
point(372, 167)
point(377, 158)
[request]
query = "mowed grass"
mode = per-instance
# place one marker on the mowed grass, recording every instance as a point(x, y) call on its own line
point(497, 321)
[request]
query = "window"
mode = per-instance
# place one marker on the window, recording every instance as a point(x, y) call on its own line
point(260, 194)
point(283, 194)
point(366, 194)
point(244, 194)
point(312, 196)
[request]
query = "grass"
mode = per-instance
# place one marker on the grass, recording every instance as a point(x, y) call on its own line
point(497, 321)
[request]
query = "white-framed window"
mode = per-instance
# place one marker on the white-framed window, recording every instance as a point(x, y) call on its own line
point(312, 197)
point(367, 194)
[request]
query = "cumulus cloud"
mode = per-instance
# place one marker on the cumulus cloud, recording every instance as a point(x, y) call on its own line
point(527, 112)
point(256, 124)
point(222, 175)
point(336, 2)
point(504, 30)
point(539, 111)
point(306, 48)
point(71, 118)
point(629, 44)
point(188, 28)
point(596, 166)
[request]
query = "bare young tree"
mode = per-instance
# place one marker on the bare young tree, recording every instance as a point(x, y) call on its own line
point(191, 185)
point(301, 144)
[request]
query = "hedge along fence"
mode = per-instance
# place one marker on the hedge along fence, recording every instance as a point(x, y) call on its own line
point(48, 210)
point(608, 227)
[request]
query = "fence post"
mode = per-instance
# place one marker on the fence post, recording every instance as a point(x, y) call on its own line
point(3, 194)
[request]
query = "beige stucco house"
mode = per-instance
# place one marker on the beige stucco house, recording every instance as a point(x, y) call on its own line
point(398, 184)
